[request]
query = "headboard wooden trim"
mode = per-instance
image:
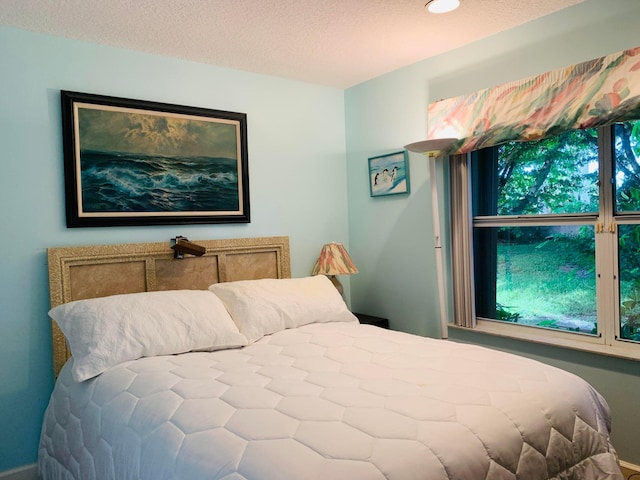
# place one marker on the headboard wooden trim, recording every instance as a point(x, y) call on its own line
point(98, 270)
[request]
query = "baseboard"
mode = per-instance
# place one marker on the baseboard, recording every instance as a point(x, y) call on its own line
point(28, 472)
point(630, 466)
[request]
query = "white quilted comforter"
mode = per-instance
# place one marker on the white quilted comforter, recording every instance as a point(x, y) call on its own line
point(329, 401)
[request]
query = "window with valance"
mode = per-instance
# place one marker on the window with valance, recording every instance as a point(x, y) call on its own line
point(589, 94)
point(545, 204)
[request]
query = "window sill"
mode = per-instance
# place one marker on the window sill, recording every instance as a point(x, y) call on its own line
point(585, 343)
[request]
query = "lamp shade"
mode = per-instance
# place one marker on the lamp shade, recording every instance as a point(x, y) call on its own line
point(334, 260)
point(431, 147)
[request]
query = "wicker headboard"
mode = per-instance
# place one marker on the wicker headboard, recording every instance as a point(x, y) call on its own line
point(77, 273)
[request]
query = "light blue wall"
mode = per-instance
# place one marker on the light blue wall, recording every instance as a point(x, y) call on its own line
point(297, 185)
point(391, 238)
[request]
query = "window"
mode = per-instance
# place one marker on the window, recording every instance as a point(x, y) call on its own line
point(627, 215)
point(555, 238)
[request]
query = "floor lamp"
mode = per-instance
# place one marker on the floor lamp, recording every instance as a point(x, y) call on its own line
point(432, 149)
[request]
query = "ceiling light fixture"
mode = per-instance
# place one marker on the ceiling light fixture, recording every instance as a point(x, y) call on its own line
point(442, 6)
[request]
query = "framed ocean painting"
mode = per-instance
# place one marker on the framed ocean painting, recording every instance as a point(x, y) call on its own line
point(133, 162)
point(389, 174)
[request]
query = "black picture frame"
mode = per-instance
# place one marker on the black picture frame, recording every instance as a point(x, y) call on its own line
point(134, 162)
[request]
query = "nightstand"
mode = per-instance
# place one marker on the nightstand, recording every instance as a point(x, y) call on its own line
point(371, 320)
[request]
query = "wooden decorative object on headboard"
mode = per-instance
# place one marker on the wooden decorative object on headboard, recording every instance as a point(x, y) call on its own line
point(77, 273)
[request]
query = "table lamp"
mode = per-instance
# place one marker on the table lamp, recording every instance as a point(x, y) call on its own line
point(334, 260)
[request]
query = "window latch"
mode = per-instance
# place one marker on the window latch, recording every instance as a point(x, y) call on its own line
point(600, 228)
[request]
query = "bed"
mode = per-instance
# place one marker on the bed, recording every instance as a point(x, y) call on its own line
point(224, 367)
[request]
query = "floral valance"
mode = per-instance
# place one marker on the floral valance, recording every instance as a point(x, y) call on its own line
point(589, 94)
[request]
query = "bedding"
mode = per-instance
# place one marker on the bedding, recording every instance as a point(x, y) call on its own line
point(103, 332)
point(265, 306)
point(335, 400)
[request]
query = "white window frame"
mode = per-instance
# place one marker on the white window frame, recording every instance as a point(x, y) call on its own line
point(607, 341)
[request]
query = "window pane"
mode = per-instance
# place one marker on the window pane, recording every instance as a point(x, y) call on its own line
point(626, 151)
point(539, 276)
point(557, 175)
point(629, 267)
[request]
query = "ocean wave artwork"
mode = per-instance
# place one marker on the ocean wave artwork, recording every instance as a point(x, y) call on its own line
point(140, 183)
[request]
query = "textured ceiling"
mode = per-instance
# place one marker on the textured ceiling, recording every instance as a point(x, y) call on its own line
point(337, 43)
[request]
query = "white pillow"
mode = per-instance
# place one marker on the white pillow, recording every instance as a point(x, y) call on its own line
point(103, 332)
point(262, 307)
